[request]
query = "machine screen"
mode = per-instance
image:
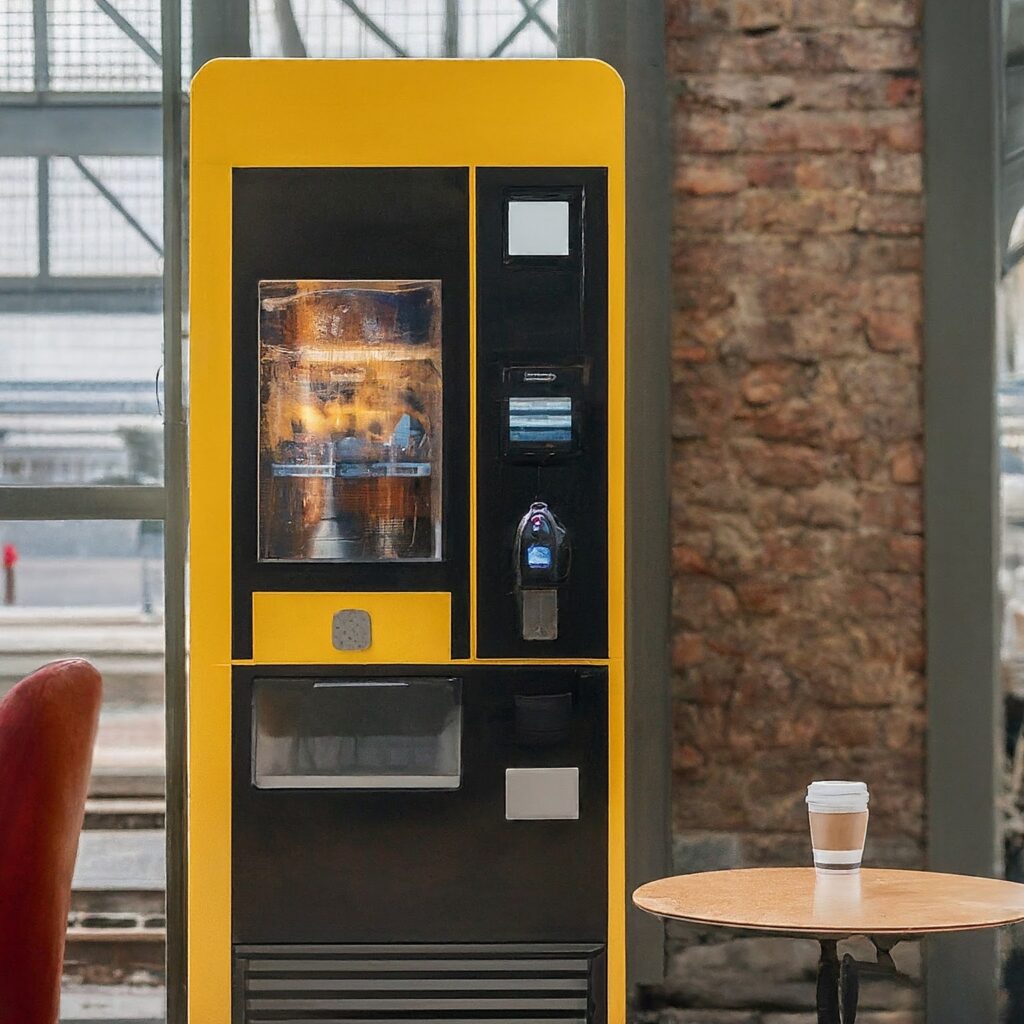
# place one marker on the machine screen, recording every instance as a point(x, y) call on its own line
point(538, 556)
point(350, 421)
point(540, 421)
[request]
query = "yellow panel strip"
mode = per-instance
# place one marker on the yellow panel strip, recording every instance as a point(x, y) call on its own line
point(296, 628)
point(617, 895)
point(472, 412)
point(616, 845)
point(209, 684)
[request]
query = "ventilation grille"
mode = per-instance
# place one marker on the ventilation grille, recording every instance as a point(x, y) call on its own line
point(439, 984)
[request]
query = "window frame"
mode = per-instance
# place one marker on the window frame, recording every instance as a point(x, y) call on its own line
point(43, 125)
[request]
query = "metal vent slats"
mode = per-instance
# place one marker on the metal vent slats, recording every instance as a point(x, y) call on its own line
point(506, 984)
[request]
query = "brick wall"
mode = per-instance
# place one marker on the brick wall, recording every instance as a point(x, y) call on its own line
point(797, 537)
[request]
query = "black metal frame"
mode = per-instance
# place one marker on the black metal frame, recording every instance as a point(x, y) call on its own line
point(837, 988)
point(568, 330)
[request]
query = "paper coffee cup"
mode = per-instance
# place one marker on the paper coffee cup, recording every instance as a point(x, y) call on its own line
point(838, 815)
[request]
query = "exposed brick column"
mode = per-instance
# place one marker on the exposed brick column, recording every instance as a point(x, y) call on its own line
point(797, 418)
point(797, 558)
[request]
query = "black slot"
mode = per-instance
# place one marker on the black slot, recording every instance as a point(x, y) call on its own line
point(543, 720)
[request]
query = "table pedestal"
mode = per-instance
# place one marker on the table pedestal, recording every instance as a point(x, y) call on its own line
point(839, 979)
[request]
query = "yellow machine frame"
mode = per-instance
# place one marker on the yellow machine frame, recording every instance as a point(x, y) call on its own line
point(271, 113)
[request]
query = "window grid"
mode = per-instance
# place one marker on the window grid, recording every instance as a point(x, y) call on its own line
point(19, 193)
point(89, 234)
point(393, 28)
point(17, 51)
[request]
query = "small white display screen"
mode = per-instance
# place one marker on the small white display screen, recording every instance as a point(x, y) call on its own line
point(538, 227)
point(540, 420)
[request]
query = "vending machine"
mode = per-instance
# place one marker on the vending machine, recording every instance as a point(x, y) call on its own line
point(406, 543)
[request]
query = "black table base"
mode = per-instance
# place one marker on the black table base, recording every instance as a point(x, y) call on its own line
point(839, 979)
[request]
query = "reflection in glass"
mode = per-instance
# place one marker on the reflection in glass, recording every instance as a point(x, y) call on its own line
point(350, 420)
point(357, 733)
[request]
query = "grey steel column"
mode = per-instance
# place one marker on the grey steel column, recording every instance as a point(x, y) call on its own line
point(220, 28)
point(629, 34)
point(961, 267)
point(175, 522)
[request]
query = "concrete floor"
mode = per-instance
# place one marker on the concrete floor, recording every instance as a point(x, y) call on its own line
point(120, 860)
point(115, 1004)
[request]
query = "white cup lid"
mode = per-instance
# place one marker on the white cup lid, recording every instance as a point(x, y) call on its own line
point(835, 795)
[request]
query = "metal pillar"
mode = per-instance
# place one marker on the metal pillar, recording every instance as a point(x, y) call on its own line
point(629, 34)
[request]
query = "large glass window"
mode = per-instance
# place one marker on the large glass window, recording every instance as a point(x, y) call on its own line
point(82, 407)
point(404, 28)
point(87, 392)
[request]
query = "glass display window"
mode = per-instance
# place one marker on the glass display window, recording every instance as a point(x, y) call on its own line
point(350, 433)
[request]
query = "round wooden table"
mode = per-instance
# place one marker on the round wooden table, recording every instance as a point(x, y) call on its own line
point(886, 906)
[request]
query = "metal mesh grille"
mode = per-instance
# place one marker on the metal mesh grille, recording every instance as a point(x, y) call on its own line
point(332, 28)
point(19, 237)
point(504, 29)
point(388, 28)
point(88, 233)
point(93, 49)
point(436, 984)
point(17, 52)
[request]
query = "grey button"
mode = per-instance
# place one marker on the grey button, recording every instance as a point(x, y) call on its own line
point(351, 630)
point(538, 794)
point(540, 614)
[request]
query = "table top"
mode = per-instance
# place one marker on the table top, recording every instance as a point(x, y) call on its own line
point(796, 901)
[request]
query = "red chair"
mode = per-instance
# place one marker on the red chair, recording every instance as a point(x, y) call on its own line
point(47, 729)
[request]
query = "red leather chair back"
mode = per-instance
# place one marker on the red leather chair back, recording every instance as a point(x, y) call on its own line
point(47, 729)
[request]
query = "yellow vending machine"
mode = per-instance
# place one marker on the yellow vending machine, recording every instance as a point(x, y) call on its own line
point(406, 543)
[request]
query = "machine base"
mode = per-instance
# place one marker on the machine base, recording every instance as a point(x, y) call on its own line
point(476, 984)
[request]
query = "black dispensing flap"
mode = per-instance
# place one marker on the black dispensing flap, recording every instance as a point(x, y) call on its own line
point(542, 720)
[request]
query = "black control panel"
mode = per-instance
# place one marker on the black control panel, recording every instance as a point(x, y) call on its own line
point(542, 415)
